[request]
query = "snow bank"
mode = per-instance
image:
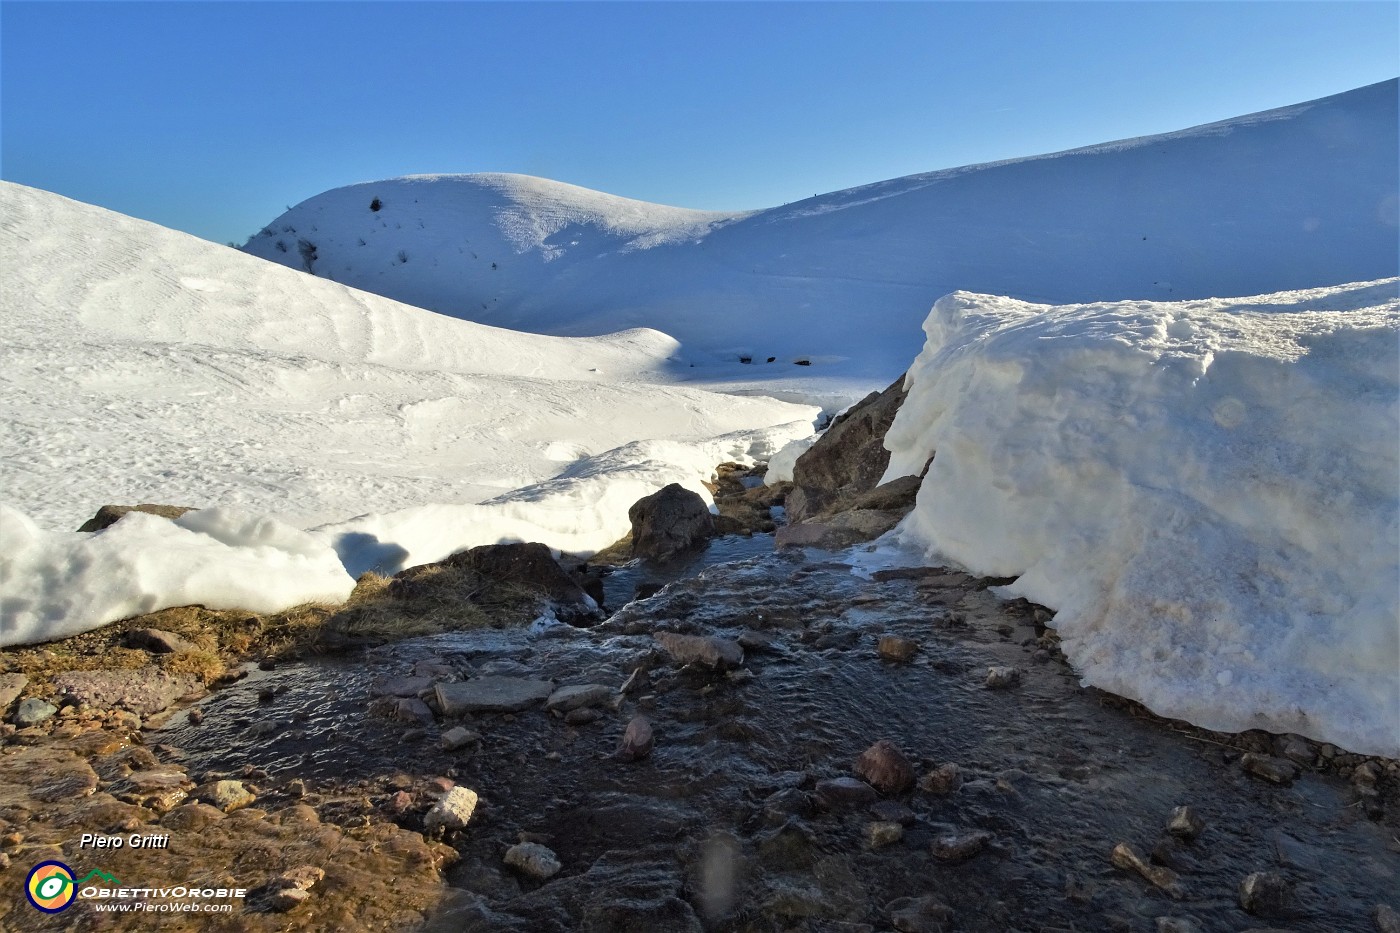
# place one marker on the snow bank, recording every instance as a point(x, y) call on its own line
point(56, 584)
point(1206, 491)
point(781, 465)
point(582, 510)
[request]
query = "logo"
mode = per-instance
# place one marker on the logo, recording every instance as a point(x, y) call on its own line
point(50, 887)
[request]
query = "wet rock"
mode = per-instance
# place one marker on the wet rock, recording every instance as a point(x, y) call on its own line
point(492, 694)
point(755, 641)
point(794, 901)
point(195, 715)
point(399, 686)
point(192, 817)
point(225, 795)
point(1274, 770)
point(159, 641)
point(51, 775)
point(823, 535)
point(705, 650)
point(920, 915)
point(567, 699)
point(412, 709)
point(1185, 823)
point(637, 740)
point(1177, 925)
point(1386, 918)
point(1000, 677)
point(959, 847)
point(843, 793)
point(896, 648)
point(453, 811)
point(883, 833)
point(582, 716)
point(669, 522)
point(534, 860)
point(945, 779)
point(458, 737)
point(884, 767)
point(1124, 857)
point(108, 515)
point(143, 691)
point(1297, 749)
point(11, 686)
point(32, 711)
point(893, 811)
point(1267, 894)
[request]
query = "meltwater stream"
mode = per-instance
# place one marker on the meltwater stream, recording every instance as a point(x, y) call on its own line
point(719, 829)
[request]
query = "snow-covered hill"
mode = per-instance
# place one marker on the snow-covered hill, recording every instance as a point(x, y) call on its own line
point(142, 364)
point(1297, 197)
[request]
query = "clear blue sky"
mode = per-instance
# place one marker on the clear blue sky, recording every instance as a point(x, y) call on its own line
point(213, 117)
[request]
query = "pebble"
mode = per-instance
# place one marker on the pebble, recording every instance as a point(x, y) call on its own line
point(1185, 823)
point(637, 741)
point(896, 648)
point(534, 860)
point(1001, 677)
point(1124, 857)
point(944, 779)
point(883, 833)
point(458, 737)
point(1267, 894)
point(195, 715)
point(884, 767)
point(1274, 770)
point(959, 847)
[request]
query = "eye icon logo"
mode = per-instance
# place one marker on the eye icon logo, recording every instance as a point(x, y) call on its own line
point(50, 887)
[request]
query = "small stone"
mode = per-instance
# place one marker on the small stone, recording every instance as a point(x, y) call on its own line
point(1297, 749)
point(883, 833)
point(755, 641)
point(1001, 677)
point(453, 811)
point(959, 847)
point(1177, 925)
point(399, 803)
point(301, 878)
point(1267, 894)
point(1386, 918)
point(296, 787)
point(1125, 858)
point(225, 795)
point(4, 861)
point(1185, 823)
point(920, 915)
point(884, 767)
point(32, 711)
point(567, 699)
point(534, 860)
point(707, 651)
point(582, 716)
point(843, 793)
point(159, 641)
point(412, 709)
point(1274, 770)
point(1366, 774)
point(637, 740)
point(944, 779)
point(458, 737)
point(896, 649)
point(195, 715)
point(287, 899)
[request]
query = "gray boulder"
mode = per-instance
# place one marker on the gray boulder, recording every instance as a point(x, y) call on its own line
point(669, 522)
point(492, 694)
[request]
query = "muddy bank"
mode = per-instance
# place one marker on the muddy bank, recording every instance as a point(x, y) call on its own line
point(1019, 784)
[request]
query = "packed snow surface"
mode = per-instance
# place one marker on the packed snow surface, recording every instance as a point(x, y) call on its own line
point(1205, 491)
point(1296, 197)
point(138, 364)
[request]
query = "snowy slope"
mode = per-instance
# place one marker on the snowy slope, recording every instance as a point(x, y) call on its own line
point(1289, 198)
point(1208, 492)
point(138, 364)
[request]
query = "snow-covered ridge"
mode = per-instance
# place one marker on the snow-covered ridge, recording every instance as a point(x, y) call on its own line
point(1206, 491)
point(1302, 196)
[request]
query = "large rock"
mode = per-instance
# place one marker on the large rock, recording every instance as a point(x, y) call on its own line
point(850, 457)
point(109, 514)
point(669, 522)
point(492, 694)
point(839, 531)
point(530, 566)
point(144, 690)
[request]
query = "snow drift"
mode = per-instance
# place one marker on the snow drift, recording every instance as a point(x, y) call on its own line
point(1297, 197)
point(1206, 491)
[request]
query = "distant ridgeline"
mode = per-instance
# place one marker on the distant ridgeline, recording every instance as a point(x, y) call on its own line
point(1297, 197)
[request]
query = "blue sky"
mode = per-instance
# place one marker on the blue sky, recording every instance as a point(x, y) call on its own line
point(214, 117)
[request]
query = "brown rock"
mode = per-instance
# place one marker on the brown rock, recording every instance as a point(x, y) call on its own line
point(944, 779)
point(1124, 857)
point(159, 641)
point(885, 768)
point(1274, 770)
point(109, 514)
point(143, 691)
point(669, 522)
point(1267, 894)
point(897, 648)
point(850, 457)
point(705, 650)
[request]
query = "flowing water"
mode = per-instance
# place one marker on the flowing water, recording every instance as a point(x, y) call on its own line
point(717, 829)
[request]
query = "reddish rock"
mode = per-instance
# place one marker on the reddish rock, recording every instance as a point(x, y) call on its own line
point(885, 768)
